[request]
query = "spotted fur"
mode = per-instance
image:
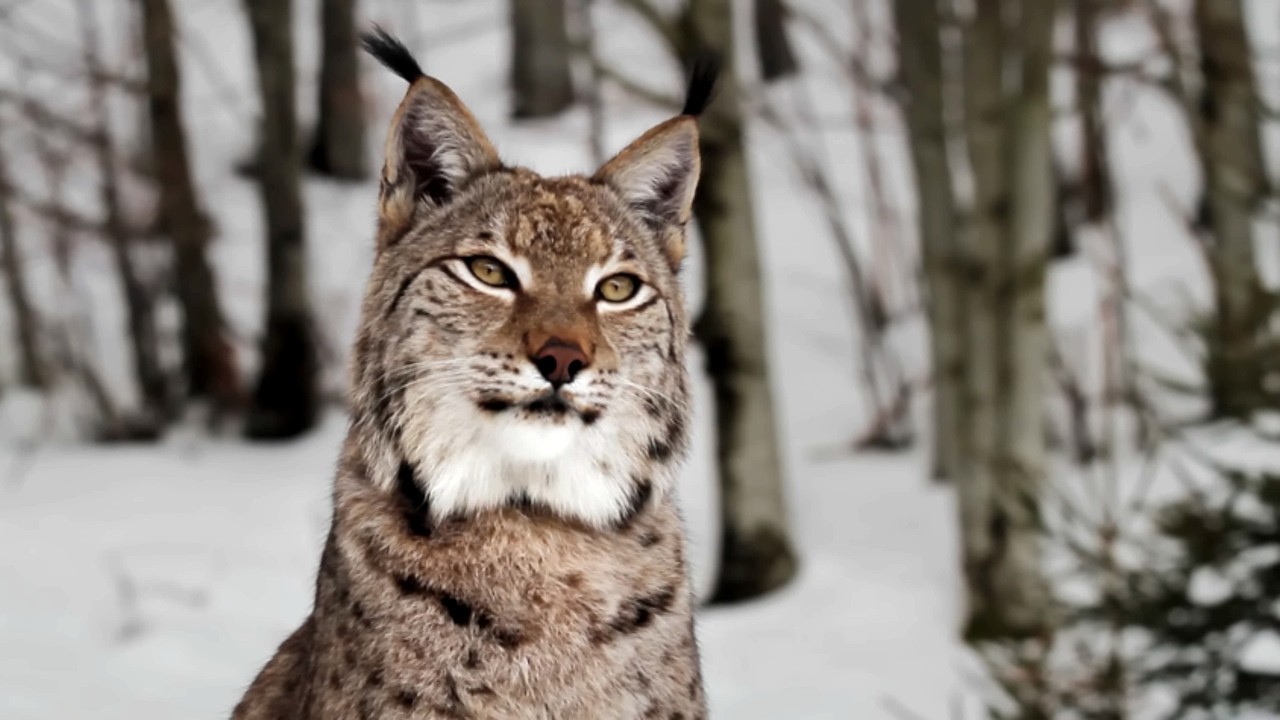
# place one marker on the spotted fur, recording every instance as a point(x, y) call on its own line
point(497, 549)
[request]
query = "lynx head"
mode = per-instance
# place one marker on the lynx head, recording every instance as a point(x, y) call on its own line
point(523, 336)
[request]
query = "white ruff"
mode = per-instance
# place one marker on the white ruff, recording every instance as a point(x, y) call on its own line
point(478, 462)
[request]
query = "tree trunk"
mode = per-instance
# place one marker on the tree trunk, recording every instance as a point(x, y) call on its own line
point(756, 554)
point(32, 370)
point(1095, 179)
point(1235, 182)
point(920, 51)
point(144, 340)
point(338, 149)
point(1001, 462)
point(593, 93)
point(286, 399)
point(210, 366)
point(1021, 463)
point(540, 74)
point(777, 59)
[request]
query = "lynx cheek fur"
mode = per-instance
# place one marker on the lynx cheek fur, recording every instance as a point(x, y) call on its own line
point(505, 542)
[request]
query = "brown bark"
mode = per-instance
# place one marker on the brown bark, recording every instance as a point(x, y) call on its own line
point(338, 149)
point(1235, 182)
point(756, 554)
point(540, 74)
point(209, 357)
point(286, 398)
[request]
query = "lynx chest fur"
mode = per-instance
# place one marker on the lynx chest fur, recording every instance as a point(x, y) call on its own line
point(505, 541)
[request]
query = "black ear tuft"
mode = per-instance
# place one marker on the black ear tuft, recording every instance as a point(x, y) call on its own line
point(702, 82)
point(391, 53)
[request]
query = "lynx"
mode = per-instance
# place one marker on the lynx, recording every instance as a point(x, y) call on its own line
point(505, 541)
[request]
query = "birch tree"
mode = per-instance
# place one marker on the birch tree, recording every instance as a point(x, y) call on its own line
point(338, 149)
point(921, 67)
point(540, 74)
point(1235, 181)
point(209, 357)
point(1000, 463)
point(756, 553)
point(286, 399)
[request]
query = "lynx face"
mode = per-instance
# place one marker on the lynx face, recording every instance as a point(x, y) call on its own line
point(523, 337)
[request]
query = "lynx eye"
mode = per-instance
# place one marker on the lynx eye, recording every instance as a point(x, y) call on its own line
point(491, 272)
point(618, 288)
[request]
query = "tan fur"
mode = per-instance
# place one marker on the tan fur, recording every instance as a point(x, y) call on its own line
point(466, 575)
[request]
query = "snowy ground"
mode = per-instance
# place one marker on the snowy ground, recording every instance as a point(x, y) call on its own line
point(152, 582)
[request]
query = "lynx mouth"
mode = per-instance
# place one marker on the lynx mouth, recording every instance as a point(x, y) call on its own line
point(551, 405)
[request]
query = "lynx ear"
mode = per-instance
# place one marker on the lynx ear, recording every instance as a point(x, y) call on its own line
point(657, 175)
point(434, 145)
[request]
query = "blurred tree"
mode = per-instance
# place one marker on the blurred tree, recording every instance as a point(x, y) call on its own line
point(286, 399)
point(540, 53)
point(1230, 146)
point(338, 149)
point(211, 369)
point(756, 553)
point(920, 64)
point(144, 340)
point(777, 58)
point(1000, 461)
point(32, 371)
point(1095, 179)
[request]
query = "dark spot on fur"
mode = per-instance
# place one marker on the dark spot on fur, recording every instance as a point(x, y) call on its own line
point(653, 407)
point(507, 638)
point(348, 657)
point(481, 690)
point(334, 681)
point(573, 580)
point(402, 289)
point(641, 492)
point(494, 405)
point(459, 612)
point(590, 416)
point(649, 538)
point(406, 698)
point(636, 613)
point(358, 612)
point(414, 500)
point(410, 585)
point(660, 450)
point(485, 235)
point(675, 429)
point(677, 716)
point(473, 659)
point(375, 678)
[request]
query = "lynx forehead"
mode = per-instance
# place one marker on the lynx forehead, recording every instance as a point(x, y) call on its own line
point(523, 336)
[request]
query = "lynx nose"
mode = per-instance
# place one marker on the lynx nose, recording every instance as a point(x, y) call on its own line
point(560, 361)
